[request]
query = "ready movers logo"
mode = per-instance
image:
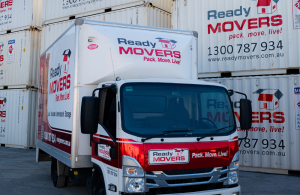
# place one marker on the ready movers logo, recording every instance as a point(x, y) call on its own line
point(171, 156)
point(266, 7)
point(149, 51)
point(62, 83)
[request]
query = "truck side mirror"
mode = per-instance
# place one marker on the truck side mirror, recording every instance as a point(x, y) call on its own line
point(89, 115)
point(245, 114)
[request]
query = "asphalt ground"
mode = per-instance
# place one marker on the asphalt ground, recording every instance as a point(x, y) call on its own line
point(21, 175)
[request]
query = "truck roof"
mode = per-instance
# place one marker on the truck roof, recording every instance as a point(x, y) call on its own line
point(84, 21)
point(155, 80)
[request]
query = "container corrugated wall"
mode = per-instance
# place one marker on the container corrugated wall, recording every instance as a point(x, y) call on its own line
point(19, 57)
point(139, 15)
point(20, 14)
point(237, 36)
point(59, 10)
point(274, 138)
point(18, 117)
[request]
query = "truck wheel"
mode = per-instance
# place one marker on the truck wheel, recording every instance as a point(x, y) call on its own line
point(98, 184)
point(58, 180)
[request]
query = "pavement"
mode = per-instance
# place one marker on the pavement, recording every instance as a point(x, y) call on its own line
point(21, 175)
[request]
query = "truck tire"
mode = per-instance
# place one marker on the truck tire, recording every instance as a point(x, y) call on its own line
point(98, 184)
point(52, 168)
point(58, 180)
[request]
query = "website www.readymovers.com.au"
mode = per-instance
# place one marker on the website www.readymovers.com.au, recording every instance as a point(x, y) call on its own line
point(246, 57)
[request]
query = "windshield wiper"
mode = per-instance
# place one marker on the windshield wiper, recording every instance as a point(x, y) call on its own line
point(166, 132)
point(213, 132)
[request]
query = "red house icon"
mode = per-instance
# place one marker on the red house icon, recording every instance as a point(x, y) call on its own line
point(266, 6)
point(66, 60)
point(2, 103)
point(166, 43)
point(269, 98)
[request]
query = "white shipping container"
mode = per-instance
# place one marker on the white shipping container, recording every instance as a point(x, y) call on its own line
point(19, 57)
point(140, 15)
point(59, 10)
point(18, 15)
point(243, 37)
point(18, 117)
point(273, 141)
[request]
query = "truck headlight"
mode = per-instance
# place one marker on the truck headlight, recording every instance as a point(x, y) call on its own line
point(233, 175)
point(134, 175)
point(134, 185)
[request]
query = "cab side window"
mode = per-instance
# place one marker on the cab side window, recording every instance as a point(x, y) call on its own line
point(108, 110)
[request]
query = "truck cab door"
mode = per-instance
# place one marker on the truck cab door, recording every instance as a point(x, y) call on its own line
point(105, 152)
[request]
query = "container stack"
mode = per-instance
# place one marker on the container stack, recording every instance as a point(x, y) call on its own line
point(253, 47)
point(20, 24)
point(58, 15)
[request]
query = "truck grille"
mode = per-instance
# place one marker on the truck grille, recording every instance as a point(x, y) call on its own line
point(188, 171)
point(174, 181)
point(179, 181)
point(185, 189)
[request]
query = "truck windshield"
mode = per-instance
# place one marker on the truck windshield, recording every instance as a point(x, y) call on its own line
point(149, 109)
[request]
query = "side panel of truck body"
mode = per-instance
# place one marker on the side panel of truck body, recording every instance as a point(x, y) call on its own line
point(93, 52)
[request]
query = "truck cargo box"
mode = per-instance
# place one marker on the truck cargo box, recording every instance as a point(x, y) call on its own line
point(255, 37)
point(18, 117)
point(57, 10)
point(139, 15)
point(273, 140)
point(92, 52)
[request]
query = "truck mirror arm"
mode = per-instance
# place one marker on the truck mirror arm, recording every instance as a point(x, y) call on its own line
point(113, 87)
point(231, 92)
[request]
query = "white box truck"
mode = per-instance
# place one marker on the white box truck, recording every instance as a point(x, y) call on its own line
point(120, 107)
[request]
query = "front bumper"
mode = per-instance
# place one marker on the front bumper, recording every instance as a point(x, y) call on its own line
point(224, 191)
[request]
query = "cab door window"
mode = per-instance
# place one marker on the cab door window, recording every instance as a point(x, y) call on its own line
point(107, 115)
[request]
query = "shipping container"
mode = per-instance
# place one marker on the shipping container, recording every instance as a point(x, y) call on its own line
point(255, 37)
point(59, 10)
point(19, 55)
point(273, 140)
point(16, 15)
point(140, 15)
point(18, 113)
